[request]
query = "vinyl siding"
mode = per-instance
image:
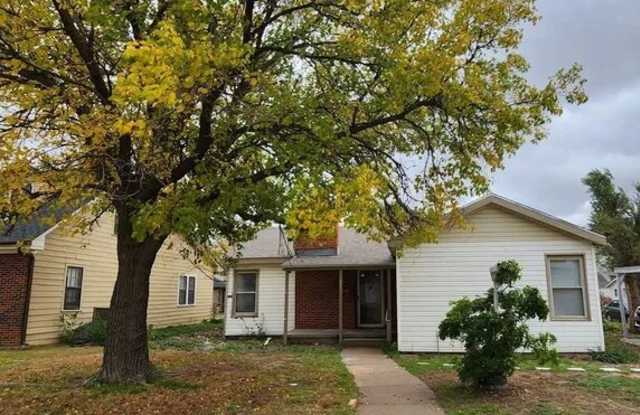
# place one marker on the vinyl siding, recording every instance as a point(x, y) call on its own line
point(270, 319)
point(96, 253)
point(430, 276)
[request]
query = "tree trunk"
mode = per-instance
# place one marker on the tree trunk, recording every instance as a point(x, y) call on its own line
point(633, 295)
point(126, 352)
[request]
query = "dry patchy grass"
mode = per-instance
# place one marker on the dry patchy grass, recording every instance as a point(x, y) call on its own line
point(536, 393)
point(296, 381)
point(531, 392)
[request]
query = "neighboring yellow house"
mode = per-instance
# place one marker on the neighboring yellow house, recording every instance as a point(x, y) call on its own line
point(74, 274)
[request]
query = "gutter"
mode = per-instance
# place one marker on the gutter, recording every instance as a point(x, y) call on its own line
point(258, 261)
point(307, 267)
point(8, 248)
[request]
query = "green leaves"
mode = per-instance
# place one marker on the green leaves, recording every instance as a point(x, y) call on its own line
point(615, 215)
point(507, 273)
point(256, 111)
point(492, 337)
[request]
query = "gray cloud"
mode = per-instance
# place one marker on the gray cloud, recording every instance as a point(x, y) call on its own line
point(604, 36)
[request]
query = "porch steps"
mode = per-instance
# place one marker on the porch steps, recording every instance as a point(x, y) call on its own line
point(363, 342)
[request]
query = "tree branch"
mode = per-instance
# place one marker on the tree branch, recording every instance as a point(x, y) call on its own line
point(427, 102)
point(85, 51)
point(247, 22)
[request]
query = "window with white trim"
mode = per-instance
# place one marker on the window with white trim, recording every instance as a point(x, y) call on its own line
point(568, 287)
point(187, 290)
point(245, 294)
point(73, 288)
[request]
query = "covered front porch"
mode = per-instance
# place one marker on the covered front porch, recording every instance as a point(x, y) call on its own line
point(338, 305)
point(360, 336)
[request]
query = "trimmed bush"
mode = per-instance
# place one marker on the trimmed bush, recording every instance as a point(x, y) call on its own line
point(491, 337)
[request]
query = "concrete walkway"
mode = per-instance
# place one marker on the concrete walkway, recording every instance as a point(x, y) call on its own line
point(385, 387)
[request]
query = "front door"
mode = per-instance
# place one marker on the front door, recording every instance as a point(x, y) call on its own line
point(370, 299)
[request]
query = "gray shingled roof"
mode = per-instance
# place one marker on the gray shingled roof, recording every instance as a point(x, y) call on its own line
point(268, 243)
point(28, 230)
point(354, 249)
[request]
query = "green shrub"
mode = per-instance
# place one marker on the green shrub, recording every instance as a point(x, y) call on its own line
point(69, 323)
point(491, 337)
point(612, 327)
point(94, 332)
point(614, 357)
point(540, 346)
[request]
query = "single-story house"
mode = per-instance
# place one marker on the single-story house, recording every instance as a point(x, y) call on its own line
point(73, 275)
point(608, 285)
point(352, 288)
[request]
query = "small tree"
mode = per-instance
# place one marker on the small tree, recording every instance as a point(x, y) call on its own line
point(492, 335)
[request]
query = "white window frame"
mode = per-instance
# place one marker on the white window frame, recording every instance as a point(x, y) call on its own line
point(186, 297)
point(236, 274)
point(584, 287)
point(64, 287)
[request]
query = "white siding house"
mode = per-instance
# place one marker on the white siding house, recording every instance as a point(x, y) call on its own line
point(270, 303)
point(414, 287)
point(430, 276)
point(86, 265)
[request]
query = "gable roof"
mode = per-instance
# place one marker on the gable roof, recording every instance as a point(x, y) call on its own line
point(605, 278)
point(534, 215)
point(354, 250)
point(36, 225)
point(269, 243)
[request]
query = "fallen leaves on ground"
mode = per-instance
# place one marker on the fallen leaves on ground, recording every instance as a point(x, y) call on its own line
point(191, 382)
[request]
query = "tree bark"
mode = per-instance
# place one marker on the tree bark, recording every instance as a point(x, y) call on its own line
point(126, 352)
point(633, 295)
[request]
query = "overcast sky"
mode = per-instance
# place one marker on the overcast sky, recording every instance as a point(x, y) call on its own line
point(603, 36)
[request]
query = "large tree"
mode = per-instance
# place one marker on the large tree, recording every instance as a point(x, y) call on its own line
point(617, 216)
point(210, 118)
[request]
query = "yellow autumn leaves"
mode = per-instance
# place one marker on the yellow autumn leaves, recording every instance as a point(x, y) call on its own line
point(164, 71)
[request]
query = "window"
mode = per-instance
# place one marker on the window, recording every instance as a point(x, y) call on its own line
point(567, 286)
point(73, 288)
point(187, 290)
point(245, 294)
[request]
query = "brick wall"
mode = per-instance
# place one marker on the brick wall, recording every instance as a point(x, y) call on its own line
point(14, 296)
point(317, 299)
point(305, 243)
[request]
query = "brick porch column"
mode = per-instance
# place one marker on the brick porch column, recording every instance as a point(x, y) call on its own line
point(15, 285)
point(340, 307)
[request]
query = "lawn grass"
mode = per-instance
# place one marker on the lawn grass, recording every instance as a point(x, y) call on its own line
point(615, 347)
point(235, 377)
point(531, 392)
